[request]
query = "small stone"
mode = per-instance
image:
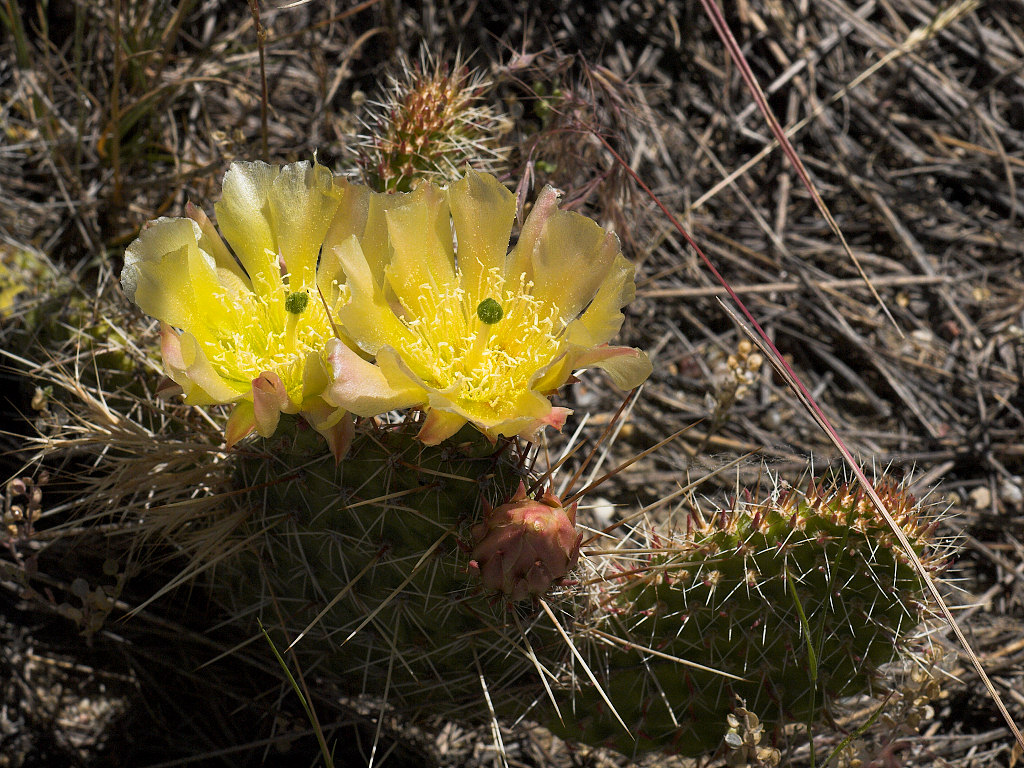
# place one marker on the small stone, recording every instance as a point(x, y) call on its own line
point(981, 497)
point(602, 512)
point(1011, 491)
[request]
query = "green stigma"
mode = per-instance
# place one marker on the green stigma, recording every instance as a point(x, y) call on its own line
point(489, 311)
point(297, 302)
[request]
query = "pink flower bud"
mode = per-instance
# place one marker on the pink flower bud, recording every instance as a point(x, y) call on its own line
point(526, 545)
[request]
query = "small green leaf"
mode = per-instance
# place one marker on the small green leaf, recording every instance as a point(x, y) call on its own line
point(324, 751)
point(812, 657)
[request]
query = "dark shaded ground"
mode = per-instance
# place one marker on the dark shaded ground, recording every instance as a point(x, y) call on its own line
point(914, 138)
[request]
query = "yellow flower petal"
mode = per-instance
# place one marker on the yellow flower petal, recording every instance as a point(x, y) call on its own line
point(314, 374)
point(255, 334)
point(364, 388)
point(202, 383)
point(530, 429)
point(363, 214)
point(351, 216)
point(526, 413)
point(212, 243)
point(367, 316)
point(376, 240)
point(602, 319)
point(301, 204)
point(269, 399)
point(571, 261)
point(628, 366)
point(439, 426)
point(334, 424)
point(166, 274)
point(521, 258)
point(242, 217)
point(423, 257)
point(552, 377)
point(482, 336)
point(330, 280)
point(482, 211)
point(349, 221)
point(241, 423)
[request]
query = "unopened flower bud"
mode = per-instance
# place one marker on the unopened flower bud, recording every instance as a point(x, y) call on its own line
point(526, 545)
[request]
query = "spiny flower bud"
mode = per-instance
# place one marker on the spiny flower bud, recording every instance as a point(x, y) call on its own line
point(526, 545)
point(433, 123)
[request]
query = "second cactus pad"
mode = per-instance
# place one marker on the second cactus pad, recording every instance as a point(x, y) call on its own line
point(787, 604)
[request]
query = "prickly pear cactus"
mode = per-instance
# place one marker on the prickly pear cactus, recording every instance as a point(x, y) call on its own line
point(788, 604)
point(345, 303)
point(404, 563)
point(368, 559)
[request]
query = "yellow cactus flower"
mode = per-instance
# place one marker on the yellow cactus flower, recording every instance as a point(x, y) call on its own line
point(483, 335)
point(250, 330)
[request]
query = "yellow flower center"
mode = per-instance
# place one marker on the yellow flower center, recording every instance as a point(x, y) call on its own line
point(482, 353)
point(273, 330)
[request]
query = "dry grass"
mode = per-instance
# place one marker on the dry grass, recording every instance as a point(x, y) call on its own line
point(909, 122)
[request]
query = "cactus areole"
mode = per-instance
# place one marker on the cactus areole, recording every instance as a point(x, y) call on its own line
point(525, 546)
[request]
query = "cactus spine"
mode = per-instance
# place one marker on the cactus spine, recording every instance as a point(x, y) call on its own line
point(433, 123)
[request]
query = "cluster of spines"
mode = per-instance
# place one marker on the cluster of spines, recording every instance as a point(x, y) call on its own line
point(432, 123)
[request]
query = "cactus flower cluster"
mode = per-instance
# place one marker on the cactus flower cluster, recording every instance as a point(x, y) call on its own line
point(328, 299)
point(244, 326)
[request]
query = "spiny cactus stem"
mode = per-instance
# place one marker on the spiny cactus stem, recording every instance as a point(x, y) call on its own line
point(586, 667)
point(376, 500)
point(349, 586)
point(633, 646)
point(424, 559)
point(266, 484)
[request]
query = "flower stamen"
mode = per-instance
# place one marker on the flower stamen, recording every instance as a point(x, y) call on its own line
point(466, 351)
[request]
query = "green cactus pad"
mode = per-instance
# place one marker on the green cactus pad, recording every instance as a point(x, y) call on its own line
point(371, 556)
point(738, 594)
